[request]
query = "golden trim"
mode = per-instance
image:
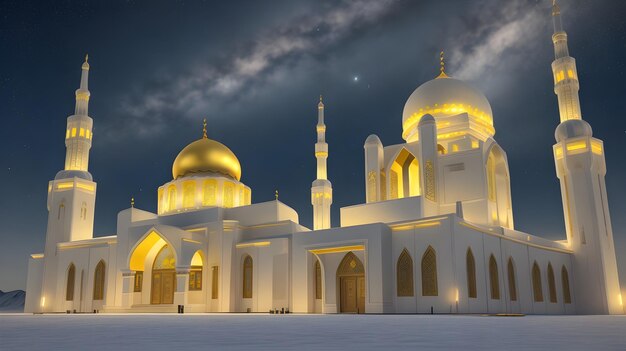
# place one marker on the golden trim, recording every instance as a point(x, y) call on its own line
point(338, 249)
point(254, 244)
point(36, 256)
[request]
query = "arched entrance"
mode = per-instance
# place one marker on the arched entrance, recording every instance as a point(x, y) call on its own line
point(163, 277)
point(351, 281)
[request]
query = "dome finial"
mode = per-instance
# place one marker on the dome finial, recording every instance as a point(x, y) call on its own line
point(442, 66)
point(276, 194)
point(132, 202)
point(204, 136)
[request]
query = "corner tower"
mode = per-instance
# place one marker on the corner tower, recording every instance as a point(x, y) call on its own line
point(581, 167)
point(321, 189)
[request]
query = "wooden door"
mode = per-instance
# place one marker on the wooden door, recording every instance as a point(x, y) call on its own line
point(348, 292)
point(168, 287)
point(155, 291)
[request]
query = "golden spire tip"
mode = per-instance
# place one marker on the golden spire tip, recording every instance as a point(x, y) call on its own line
point(276, 194)
point(132, 202)
point(442, 66)
point(204, 136)
point(86, 57)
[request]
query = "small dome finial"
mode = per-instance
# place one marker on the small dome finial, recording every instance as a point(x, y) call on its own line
point(132, 202)
point(276, 194)
point(442, 66)
point(86, 57)
point(204, 136)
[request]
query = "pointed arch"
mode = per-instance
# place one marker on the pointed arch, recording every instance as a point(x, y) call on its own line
point(196, 271)
point(171, 198)
point(537, 288)
point(247, 277)
point(69, 286)
point(350, 265)
point(139, 252)
point(567, 297)
point(429, 273)
point(318, 280)
point(512, 282)
point(494, 282)
point(404, 175)
point(499, 187)
point(404, 274)
point(470, 265)
point(551, 284)
point(98, 281)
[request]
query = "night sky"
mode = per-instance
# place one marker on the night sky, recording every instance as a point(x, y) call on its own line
point(255, 70)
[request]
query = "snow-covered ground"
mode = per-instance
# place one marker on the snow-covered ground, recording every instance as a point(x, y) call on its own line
point(310, 332)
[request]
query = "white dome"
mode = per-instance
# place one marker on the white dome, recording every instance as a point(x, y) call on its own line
point(445, 97)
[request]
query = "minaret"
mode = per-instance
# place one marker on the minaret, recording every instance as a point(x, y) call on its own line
point(71, 198)
point(564, 71)
point(581, 167)
point(321, 189)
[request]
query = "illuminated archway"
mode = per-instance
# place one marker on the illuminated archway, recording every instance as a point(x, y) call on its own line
point(404, 176)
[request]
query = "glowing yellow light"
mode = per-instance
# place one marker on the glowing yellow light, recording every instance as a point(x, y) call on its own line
point(479, 117)
point(321, 154)
point(338, 249)
point(82, 132)
point(596, 147)
point(559, 152)
point(576, 146)
point(84, 186)
point(455, 147)
point(570, 73)
point(619, 298)
point(67, 134)
point(88, 134)
point(66, 185)
point(73, 132)
point(140, 252)
point(456, 298)
point(321, 128)
point(37, 256)
point(255, 244)
point(43, 301)
point(475, 144)
point(196, 260)
point(418, 225)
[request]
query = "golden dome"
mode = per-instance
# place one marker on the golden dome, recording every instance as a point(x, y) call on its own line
point(206, 155)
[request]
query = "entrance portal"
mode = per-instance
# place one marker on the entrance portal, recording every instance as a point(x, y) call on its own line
point(351, 280)
point(163, 277)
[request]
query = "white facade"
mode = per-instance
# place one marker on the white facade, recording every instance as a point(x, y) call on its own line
point(435, 234)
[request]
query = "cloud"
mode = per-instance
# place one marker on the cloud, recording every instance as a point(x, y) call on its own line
point(506, 35)
point(208, 85)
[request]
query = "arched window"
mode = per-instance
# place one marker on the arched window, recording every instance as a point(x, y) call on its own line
point(195, 272)
point(551, 284)
point(429, 273)
point(61, 212)
point(404, 274)
point(318, 280)
point(98, 281)
point(229, 193)
point(71, 277)
point(567, 297)
point(405, 176)
point(189, 194)
point(171, 198)
point(537, 289)
point(247, 277)
point(441, 150)
point(494, 282)
point(512, 282)
point(470, 264)
point(210, 187)
point(498, 187)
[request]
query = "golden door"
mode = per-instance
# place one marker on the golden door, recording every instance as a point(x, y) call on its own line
point(352, 290)
point(163, 287)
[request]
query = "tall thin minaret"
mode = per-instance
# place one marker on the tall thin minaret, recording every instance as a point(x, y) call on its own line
point(71, 200)
point(321, 189)
point(564, 71)
point(581, 167)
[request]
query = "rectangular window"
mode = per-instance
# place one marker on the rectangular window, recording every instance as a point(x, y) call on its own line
point(138, 281)
point(88, 134)
point(67, 134)
point(570, 73)
point(214, 282)
point(82, 132)
point(195, 279)
point(73, 132)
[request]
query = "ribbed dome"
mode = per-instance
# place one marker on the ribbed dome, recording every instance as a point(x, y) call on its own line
point(206, 155)
point(444, 97)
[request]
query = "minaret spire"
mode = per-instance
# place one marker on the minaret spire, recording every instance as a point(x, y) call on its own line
point(564, 71)
point(321, 191)
point(442, 66)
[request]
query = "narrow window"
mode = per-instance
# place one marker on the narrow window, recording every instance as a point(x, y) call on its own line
point(470, 265)
point(429, 273)
point(171, 198)
point(318, 280)
point(195, 278)
point(493, 278)
point(247, 277)
point(512, 282)
point(189, 194)
point(81, 132)
point(138, 281)
point(537, 289)
point(71, 275)
point(61, 212)
point(405, 274)
point(567, 297)
point(215, 282)
point(98, 281)
point(551, 284)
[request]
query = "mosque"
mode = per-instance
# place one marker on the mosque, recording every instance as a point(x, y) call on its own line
point(435, 234)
